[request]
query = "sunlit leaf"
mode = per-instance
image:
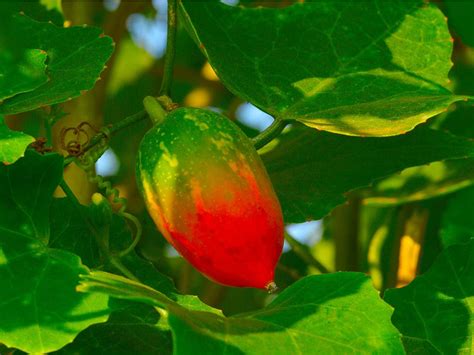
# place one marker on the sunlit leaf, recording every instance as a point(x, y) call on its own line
point(326, 65)
point(332, 313)
point(12, 143)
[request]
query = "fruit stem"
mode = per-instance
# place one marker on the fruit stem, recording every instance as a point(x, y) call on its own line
point(170, 48)
point(304, 254)
point(154, 109)
point(270, 133)
point(128, 121)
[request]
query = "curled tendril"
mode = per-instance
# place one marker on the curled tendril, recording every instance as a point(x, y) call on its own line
point(86, 161)
point(79, 138)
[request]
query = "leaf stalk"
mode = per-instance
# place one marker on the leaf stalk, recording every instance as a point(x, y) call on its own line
point(270, 133)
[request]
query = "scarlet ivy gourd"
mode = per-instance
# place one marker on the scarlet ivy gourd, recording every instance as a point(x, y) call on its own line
point(209, 194)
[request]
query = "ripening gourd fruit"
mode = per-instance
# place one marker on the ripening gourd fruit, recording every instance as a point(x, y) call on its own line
point(209, 194)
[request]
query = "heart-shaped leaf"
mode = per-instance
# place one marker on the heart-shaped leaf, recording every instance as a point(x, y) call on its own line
point(41, 310)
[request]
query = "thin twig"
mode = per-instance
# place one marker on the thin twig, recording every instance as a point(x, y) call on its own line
point(70, 195)
point(289, 271)
point(170, 48)
point(302, 252)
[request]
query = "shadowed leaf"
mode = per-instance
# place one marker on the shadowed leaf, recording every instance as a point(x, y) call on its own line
point(311, 171)
point(434, 312)
point(457, 225)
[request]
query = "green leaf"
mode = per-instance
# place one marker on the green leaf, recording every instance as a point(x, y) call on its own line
point(319, 314)
point(24, 187)
point(327, 65)
point(332, 313)
point(130, 326)
point(422, 183)
point(12, 143)
point(41, 311)
point(22, 66)
point(311, 171)
point(76, 57)
point(22, 70)
point(67, 220)
point(457, 225)
point(434, 312)
point(39, 10)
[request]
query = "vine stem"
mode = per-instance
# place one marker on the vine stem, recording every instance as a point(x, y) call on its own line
point(69, 194)
point(138, 234)
point(301, 251)
point(116, 262)
point(259, 141)
point(270, 133)
point(127, 121)
point(170, 48)
point(110, 130)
